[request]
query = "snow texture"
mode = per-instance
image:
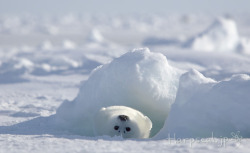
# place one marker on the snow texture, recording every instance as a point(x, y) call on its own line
point(140, 79)
point(204, 106)
point(222, 35)
point(49, 79)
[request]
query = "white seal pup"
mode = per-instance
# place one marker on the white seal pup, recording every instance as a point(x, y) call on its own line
point(122, 121)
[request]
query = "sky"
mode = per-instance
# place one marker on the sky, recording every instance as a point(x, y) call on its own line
point(123, 6)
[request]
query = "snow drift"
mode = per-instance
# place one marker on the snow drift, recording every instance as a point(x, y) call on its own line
point(204, 107)
point(140, 79)
point(222, 35)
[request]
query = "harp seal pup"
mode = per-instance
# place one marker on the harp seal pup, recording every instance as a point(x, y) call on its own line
point(122, 121)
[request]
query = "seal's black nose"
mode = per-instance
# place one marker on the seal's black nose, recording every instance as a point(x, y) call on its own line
point(123, 117)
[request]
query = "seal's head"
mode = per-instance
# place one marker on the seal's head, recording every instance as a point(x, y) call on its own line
point(122, 121)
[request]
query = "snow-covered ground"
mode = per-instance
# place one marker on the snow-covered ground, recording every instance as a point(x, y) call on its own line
point(44, 59)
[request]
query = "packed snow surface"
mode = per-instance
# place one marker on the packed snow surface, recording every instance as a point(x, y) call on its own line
point(56, 72)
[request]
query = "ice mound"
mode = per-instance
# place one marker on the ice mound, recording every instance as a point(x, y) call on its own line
point(11, 70)
point(68, 44)
point(95, 36)
point(204, 107)
point(139, 79)
point(244, 46)
point(222, 35)
point(95, 40)
point(45, 45)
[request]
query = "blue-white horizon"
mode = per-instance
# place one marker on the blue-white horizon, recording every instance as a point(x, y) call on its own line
point(123, 7)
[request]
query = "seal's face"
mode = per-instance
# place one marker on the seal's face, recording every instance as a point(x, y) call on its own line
point(123, 127)
point(122, 121)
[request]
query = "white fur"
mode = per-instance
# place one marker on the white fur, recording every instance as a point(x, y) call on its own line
point(107, 118)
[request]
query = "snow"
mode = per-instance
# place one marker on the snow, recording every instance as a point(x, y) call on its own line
point(244, 46)
point(48, 143)
point(197, 64)
point(210, 107)
point(222, 35)
point(139, 79)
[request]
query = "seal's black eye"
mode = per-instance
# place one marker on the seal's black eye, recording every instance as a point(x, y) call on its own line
point(116, 127)
point(128, 129)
